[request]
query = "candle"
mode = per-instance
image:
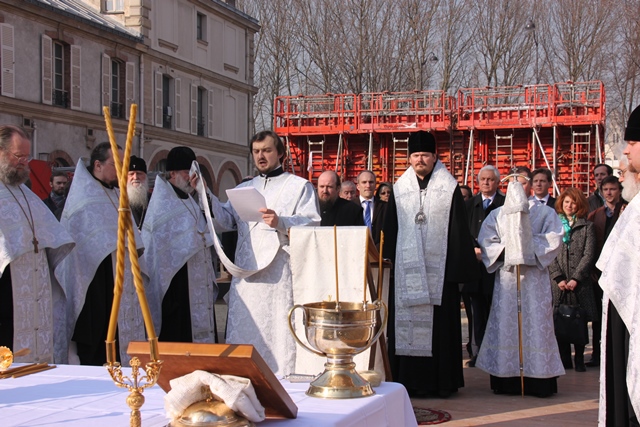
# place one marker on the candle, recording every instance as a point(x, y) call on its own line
point(335, 252)
point(366, 269)
point(380, 271)
point(125, 225)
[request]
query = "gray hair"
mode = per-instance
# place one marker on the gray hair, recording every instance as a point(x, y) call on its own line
point(491, 168)
point(6, 135)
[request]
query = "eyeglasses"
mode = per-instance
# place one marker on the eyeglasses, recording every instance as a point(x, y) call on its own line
point(25, 159)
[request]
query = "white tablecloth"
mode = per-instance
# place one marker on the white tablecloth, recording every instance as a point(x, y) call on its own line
point(85, 396)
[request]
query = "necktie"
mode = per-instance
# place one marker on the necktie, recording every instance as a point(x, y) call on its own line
point(367, 213)
point(486, 203)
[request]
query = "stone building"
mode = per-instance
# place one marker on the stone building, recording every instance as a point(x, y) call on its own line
point(187, 64)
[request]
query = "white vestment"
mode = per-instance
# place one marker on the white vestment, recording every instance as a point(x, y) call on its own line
point(499, 353)
point(91, 217)
point(421, 257)
point(620, 282)
point(175, 233)
point(39, 312)
point(259, 304)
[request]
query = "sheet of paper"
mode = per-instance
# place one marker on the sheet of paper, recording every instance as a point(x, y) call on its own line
point(246, 201)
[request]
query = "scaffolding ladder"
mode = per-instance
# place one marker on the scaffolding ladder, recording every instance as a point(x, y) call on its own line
point(316, 158)
point(580, 149)
point(400, 157)
point(504, 152)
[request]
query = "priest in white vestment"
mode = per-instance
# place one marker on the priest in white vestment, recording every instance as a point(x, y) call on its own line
point(528, 234)
point(620, 282)
point(90, 215)
point(32, 244)
point(177, 245)
point(427, 235)
point(259, 303)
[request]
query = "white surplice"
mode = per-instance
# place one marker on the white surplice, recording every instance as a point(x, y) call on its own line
point(39, 312)
point(175, 233)
point(91, 217)
point(259, 304)
point(499, 353)
point(620, 282)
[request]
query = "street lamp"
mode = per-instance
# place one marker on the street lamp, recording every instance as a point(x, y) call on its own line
point(531, 28)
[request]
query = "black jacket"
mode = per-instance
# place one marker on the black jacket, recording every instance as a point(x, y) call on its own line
point(343, 212)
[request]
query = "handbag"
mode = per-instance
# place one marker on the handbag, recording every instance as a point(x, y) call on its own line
point(570, 321)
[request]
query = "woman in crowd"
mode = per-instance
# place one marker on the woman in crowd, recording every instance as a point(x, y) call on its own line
point(383, 192)
point(571, 270)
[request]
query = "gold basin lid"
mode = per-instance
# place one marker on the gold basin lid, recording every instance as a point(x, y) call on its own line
point(6, 358)
point(210, 414)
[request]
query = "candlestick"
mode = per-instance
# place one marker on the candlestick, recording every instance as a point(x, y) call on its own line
point(335, 253)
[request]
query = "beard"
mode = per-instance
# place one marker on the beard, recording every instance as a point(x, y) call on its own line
point(325, 205)
point(138, 194)
point(12, 176)
point(630, 186)
point(183, 184)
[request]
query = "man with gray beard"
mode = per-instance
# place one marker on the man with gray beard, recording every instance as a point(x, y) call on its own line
point(630, 181)
point(138, 189)
point(32, 244)
point(178, 251)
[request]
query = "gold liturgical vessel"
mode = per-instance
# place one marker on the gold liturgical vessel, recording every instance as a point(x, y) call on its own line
point(339, 331)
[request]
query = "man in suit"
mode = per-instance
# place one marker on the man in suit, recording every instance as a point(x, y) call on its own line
point(479, 293)
point(335, 210)
point(541, 183)
point(600, 172)
point(373, 213)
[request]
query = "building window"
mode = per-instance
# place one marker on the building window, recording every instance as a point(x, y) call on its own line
point(117, 92)
point(167, 112)
point(113, 6)
point(60, 74)
point(201, 26)
point(202, 108)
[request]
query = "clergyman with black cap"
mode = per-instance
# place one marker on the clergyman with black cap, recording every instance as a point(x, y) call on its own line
point(259, 304)
point(138, 189)
point(178, 252)
point(427, 236)
point(620, 265)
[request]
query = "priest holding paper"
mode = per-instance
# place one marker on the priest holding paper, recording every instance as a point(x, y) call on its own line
point(260, 299)
point(177, 250)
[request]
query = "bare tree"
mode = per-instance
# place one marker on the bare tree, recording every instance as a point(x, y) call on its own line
point(455, 33)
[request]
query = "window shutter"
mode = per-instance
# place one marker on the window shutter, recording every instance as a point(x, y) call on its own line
point(194, 109)
point(76, 94)
point(210, 114)
point(47, 70)
point(8, 77)
point(130, 87)
point(106, 80)
point(217, 112)
point(178, 114)
point(158, 100)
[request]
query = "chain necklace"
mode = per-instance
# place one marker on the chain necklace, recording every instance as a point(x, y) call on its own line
point(421, 218)
point(109, 196)
point(29, 218)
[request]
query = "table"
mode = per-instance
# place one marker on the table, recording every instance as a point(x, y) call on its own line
point(85, 396)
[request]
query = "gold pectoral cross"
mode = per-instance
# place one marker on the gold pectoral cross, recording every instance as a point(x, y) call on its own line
point(35, 244)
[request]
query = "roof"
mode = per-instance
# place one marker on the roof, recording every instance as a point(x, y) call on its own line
point(80, 11)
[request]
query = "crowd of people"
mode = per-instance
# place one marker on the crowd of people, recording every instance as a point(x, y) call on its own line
point(510, 256)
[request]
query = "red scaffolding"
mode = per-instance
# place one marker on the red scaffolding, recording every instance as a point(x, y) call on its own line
point(558, 126)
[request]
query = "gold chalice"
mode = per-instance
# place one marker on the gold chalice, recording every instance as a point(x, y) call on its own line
point(339, 333)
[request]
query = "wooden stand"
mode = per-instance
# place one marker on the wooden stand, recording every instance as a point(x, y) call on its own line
point(224, 359)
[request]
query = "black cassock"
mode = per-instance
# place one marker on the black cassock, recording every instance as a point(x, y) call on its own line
point(442, 373)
